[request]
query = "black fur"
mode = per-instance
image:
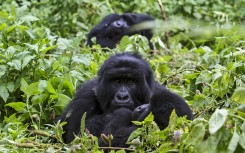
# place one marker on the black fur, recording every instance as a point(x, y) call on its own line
point(114, 26)
point(123, 91)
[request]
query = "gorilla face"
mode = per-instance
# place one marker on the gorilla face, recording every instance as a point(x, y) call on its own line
point(122, 82)
point(113, 27)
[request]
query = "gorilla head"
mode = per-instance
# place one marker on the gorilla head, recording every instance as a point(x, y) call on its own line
point(114, 26)
point(122, 80)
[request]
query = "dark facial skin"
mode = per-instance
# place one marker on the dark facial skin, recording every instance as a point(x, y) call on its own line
point(113, 27)
point(123, 91)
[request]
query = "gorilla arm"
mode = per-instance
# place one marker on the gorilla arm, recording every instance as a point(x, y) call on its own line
point(162, 104)
point(84, 101)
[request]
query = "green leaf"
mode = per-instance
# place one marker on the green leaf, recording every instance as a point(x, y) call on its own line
point(242, 140)
point(4, 14)
point(3, 26)
point(234, 142)
point(2, 70)
point(239, 95)
point(63, 43)
point(18, 106)
point(149, 119)
point(42, 85)
point(4, 92)
point(16, 64)
point(196, 135)
point(26, 60)
point(48, 48)
point(10, 86)
point(82, 127)
point(29, 18)
point(204, 77)
point(24, 85)
point(50, 87)
point(63, 100)
point(217, 120)
point(32, 89)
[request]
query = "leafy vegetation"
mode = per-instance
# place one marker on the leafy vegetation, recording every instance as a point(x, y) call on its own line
point(43, 58)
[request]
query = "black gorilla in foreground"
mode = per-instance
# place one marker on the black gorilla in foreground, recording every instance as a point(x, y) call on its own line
point(114, 26)
point(123, 91)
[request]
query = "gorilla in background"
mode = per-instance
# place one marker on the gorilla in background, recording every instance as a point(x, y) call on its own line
point(114, 26)
point(123, 91)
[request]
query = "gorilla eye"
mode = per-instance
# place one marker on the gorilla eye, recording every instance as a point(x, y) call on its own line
point(131, 81)
point(117, 81)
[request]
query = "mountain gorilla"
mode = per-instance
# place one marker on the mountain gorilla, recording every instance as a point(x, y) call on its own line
point(123, 91)
point(114, 26)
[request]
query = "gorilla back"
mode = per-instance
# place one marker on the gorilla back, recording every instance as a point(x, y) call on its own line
point(114, 26)
point(123, 91)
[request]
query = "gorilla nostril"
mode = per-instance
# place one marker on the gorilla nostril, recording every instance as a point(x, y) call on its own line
point(122, 98)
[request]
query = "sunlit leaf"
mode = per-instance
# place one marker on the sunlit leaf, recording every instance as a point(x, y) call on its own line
point(18, 106)
point(239, 95)
point(217, 120)
point(4, 92)
point(234, 142)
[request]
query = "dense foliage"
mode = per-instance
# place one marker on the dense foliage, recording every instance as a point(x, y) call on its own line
point(43, 58)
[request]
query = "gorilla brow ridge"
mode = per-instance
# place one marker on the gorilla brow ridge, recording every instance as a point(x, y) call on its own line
point(132, 62)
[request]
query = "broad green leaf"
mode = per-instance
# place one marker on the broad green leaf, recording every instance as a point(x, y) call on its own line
point(196, 135)
point(2, 26)
point(11, 28)
point(204, 77)
point(50, 87)
point(34, 47)
point(42, 85)
point(234, 142)
point(24, 85)
point(2, 70)
point(242, 140)
point(4, 14)
point(18, 106)
point(32, 89)
point(29, 18)
point(26, 60)
point(11, 51)
point(217, 120)
point(4, 92)
point(212, 142)
point(62, 101)
point(16, 64)
point(21, 11)
point(63, 43)
point(134, 135)
point(216, 75)
point(10, 86)
point(239, 96)
point(149, 119)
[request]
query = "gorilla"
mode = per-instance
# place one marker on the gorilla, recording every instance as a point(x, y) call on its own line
point(123, 91)
point(114, 26)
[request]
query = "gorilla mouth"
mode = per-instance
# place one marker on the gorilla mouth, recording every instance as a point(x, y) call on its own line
point(128, 104)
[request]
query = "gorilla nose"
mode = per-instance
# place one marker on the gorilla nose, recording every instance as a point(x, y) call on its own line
point(122, 98)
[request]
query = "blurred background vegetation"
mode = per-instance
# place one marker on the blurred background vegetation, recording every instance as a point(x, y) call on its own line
point(43, 58)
